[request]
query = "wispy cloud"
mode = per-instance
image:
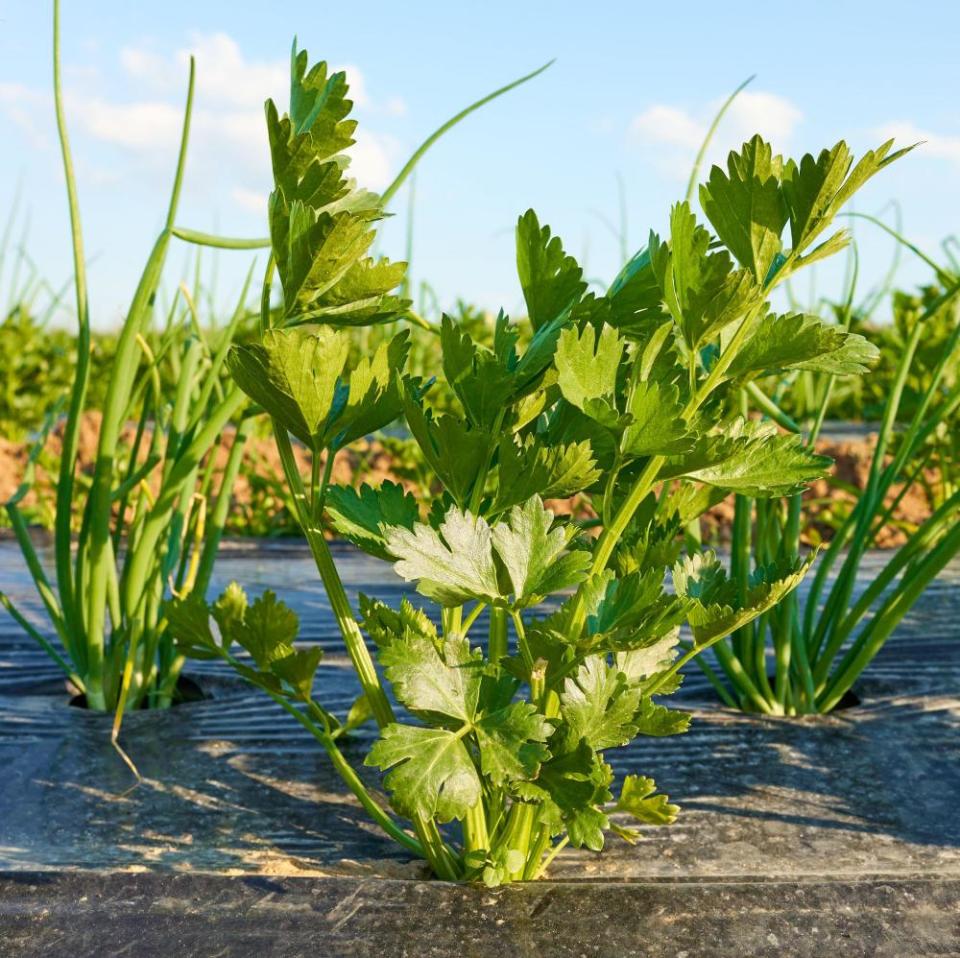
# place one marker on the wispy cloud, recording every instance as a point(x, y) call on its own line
point(939, 146)
point(22, 104)
point(681, 131)
point(228, 145)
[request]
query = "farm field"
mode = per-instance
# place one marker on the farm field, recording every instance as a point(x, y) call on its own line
point(615, 613)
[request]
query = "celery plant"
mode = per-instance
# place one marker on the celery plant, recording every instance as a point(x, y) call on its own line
point(508, 709)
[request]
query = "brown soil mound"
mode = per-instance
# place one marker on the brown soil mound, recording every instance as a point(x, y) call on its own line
point(259, 486)
point(259, 495)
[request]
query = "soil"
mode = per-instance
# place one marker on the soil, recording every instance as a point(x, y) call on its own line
point(259, 487)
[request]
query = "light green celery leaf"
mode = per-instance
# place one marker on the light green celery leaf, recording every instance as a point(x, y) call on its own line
point(455, 563)
point(798, 341)
point(531, 468)
point(587, 365)
point(188, 621)
point(452, 564)
point(566, 424)
point(598, 704)
point(293, 374)
point(635, 612)
point(229, 608)
point(702, 291)
point(454, 450)
point(655, 547)
point(484, 386)
point(657, 720)
point(361, 297)
point(551, 280)
point(751, 459)
point(657, 426)
point(321, 250)
point(384, 624)
point(434, 682)
point(571, 790)
point(626, 600)
point(810, 189)
point(431, 772)
point(692, 501)
point(638, 798)
point(267, 631)
point(719, 608)
point(374, 397)
point(532, 554)
point(635, 298)
point(658, 359)
point(816, 188)
point(360, 516)
point(511, 741)
point(321, 224)
point(318, 108)
point(646, 661)
point(746, 207)
point(298, 669)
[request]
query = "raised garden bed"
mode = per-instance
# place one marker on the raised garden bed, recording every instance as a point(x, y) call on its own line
point(797, 837)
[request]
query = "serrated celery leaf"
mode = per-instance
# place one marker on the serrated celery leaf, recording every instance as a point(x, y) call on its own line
point(587, 365)
point(293, 375)
point(638, 798)
point(551, 280)
point(746, 207)
point(455, 562)
point(431, 773)
point(534, 468)
point(719, 608)
point(359, 516)
point(511, 741)
point(798, 341)
point(432, 681)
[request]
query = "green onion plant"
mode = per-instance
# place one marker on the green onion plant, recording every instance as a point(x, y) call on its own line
point(146, 530)
point(821, 643)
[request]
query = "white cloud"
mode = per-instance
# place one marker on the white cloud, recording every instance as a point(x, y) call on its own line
point(396, 106)
point(228, 143)
point(774, 117)
point(23, 105)
point(145, 125)
point(252, 200)
point(938, 145)
point(374, 159)
point(224, 75)
point(667, 124)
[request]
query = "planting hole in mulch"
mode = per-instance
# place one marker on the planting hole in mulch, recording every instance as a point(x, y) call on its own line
point(187, 690)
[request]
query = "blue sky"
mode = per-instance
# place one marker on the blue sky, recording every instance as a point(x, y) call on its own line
point(632, 89)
